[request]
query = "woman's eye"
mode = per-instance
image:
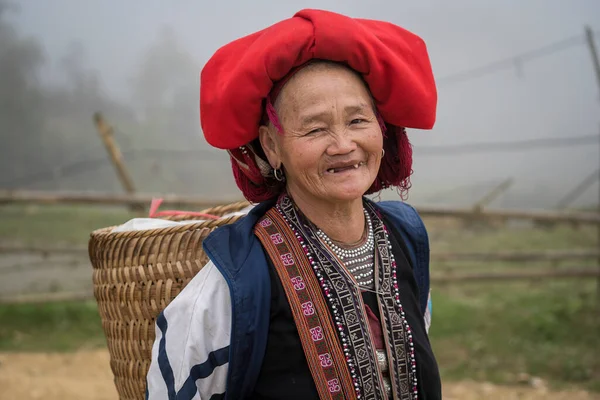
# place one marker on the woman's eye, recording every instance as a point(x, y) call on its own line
point(357, 121)
point(316, 130)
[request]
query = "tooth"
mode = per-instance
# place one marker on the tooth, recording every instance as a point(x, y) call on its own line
point(355, 166)
point(331, 170)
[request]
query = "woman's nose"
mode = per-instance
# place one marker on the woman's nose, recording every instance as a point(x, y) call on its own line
point(342, 143)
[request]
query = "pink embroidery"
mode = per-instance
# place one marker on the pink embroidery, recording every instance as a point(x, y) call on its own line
point(276, 238)
point(265, 222)
point(325, 360)
point(298, 283)
point(308, 308)
point(287, 259)
point(316, 333)
point(334, 386)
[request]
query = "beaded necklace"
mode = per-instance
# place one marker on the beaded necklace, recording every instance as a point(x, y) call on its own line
point(357, 259)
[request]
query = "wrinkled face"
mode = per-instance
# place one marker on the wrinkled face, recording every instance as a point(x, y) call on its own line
point(332, 143)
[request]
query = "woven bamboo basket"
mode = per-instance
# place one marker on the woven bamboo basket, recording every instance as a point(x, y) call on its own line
point(136, 275)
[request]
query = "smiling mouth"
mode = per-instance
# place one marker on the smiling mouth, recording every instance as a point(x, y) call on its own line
point(346, 168)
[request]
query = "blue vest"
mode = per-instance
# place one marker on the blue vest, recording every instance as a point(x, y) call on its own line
point(239, 256)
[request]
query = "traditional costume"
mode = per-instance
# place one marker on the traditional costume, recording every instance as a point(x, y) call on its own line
point(281, 311)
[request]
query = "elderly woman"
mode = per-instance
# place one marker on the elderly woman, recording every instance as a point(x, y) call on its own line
point(318, 293)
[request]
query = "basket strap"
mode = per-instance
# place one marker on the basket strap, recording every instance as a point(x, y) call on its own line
point(155, 204)
point(312, 317)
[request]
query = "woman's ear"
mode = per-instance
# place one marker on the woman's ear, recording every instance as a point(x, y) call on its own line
point(270, 145)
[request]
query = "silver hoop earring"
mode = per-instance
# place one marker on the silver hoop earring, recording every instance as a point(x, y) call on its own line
point(278, 174)
point(382, 153)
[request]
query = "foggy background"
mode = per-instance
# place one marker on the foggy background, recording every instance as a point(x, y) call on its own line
point(507, 70)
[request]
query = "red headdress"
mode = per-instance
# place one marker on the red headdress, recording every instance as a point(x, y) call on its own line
point(237, 81)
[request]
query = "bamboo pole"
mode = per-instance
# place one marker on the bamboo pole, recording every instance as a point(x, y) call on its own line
point(42, 250)
point(516, 275)
point(47, 197)
point(454, 279)
point(106, 134)
point(505, 256)
point(39, 298)
point(515, 256)
point(493, 194)
point(98, 198)
point(589, 36)
point(581, 187)
point(535, 216)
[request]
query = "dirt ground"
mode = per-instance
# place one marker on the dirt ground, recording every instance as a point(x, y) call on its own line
point(85, 375)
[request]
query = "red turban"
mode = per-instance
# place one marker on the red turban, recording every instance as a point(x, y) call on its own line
point(238, 78)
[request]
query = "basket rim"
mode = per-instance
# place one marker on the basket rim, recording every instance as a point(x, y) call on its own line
point(107, 234)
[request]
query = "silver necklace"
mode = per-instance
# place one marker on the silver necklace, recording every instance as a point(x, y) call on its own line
point(367, 248)
point(363, 273)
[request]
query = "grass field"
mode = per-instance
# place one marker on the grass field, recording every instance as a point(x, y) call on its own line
point(491, 331)
point(52, 224)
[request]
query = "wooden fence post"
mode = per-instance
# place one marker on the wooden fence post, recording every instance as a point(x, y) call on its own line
point(106, 134)
point(589, 35)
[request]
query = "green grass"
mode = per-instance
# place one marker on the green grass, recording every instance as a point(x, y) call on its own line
point(50, 224)
point(454, 237)
point(497, 331)
point(50, 327)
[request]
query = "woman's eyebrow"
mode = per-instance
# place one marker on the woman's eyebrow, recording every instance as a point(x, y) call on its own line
point(318, 116)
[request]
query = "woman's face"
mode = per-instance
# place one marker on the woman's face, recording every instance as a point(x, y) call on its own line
point(332, 143)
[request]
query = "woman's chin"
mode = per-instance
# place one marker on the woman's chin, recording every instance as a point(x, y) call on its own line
point(344, 193)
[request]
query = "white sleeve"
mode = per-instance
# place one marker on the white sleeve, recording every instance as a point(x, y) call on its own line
point(190, 355)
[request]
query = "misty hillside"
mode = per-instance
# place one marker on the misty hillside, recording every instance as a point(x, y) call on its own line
point(60, 64)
